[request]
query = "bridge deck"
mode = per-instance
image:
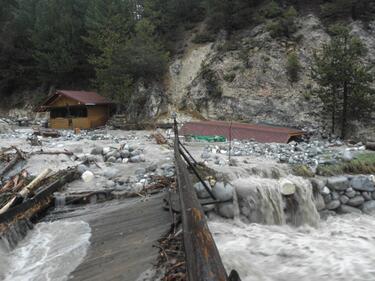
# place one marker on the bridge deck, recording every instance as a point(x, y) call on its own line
point(122, 241)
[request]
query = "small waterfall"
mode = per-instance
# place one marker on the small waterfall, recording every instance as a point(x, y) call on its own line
point(59, 199)
point(15, 233)
point(260, 201)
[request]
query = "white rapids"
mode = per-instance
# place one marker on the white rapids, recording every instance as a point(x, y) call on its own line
point(341, 248)
point(49, 252)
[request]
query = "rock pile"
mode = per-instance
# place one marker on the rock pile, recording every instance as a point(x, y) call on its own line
point(124, 154)
point(345, 194)
point(313, 153)
point(223, 192)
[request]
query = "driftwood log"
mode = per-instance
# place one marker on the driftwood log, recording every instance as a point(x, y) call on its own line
point(66, 152)
point(26, 190)
point(18, 157)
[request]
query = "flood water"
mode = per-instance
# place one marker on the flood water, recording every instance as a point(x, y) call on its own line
point(341, 248)
point(49, 252)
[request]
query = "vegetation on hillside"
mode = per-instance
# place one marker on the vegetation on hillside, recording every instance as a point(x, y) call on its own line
point(110, 45)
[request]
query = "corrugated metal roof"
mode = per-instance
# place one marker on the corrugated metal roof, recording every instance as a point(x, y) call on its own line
point(240, 131)
point(83, 97)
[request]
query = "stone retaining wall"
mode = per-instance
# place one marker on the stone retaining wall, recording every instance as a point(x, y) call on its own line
point(345, 194)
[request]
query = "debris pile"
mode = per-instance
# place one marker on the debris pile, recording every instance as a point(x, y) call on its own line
point(313, 153)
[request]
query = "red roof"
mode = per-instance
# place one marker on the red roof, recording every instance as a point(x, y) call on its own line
point(240, 131)
point(82, 97)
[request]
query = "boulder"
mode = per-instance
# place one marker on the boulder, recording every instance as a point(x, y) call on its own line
point(350, 192)
point(317, 184)
point(135, 159)
point(110, 184)
point(333, 205)
point(362, 183)
point(201, 191)
point(82, 168)
point(97, 150)
point(347, 156)
point(345, 209)
point(338, 183)
point(125, 154)
point(344, 199)
point(369, 207)
point(335, 195)
point(366, 195)
point(151, 168)
point(356, 201)
point(111, 159)
point(226, 210)
point(106, 150)
point(87, 176)
point(223, 192)
point(325, 191)
point(287, 187)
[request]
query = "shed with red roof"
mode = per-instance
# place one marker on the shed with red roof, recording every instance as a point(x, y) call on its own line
point(76, 109)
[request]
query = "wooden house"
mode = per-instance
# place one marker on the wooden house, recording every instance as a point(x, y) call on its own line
point(76, 109)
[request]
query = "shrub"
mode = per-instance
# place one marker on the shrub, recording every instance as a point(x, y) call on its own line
point(284, 25)
point(293, 67)
point(270, 10)
point(203, 38)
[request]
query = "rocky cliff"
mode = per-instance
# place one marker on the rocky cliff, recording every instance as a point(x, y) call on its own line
point(245, 78)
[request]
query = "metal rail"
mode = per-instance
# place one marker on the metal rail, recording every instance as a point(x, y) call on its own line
point(203, 261)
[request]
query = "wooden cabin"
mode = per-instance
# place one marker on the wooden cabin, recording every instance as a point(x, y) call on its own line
point(76, 109)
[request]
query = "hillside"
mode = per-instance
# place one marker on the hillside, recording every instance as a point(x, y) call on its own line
point(239, 60)
point(248, 80)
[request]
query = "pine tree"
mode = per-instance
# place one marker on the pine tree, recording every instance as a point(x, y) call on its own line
point(344, 80)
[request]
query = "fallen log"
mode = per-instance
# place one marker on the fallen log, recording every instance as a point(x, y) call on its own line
point(26, 190)
point(42, 199)
point(19, 156)
point(15, 183)
point(66, 152)
point(370, 146)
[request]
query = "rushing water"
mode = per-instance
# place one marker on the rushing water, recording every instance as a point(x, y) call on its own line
point(281, 238)
point(341, 248)
point(49, 252)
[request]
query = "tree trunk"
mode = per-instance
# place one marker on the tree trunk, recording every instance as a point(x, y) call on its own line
point(333, 121)
point(344, 121)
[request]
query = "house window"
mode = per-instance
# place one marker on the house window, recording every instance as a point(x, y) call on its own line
point(69, 112)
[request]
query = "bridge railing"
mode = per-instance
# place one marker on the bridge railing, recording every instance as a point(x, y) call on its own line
point(203, 261)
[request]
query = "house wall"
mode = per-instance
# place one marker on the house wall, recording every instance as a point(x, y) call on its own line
point(96, 116)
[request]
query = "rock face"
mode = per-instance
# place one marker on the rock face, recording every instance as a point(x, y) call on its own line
point(248, 81)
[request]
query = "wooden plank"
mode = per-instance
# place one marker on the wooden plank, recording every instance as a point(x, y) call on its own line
point(122, 241)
